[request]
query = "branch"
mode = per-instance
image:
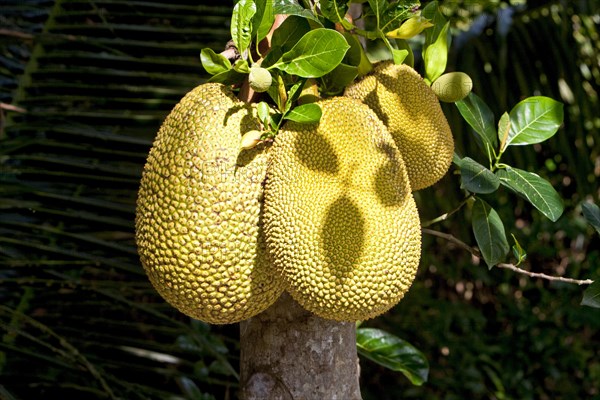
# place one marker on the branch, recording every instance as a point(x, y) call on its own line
point(544, 276)
point(475, 252)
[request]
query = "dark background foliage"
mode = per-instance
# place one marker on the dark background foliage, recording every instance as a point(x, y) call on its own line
point(78, 317)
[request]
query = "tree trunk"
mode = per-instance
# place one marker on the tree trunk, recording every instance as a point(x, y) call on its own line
point(288, 353)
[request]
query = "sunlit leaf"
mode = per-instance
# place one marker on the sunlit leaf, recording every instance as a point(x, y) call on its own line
point(476, 178)
point(317, 53)
point(479, 116)
point(394, 353)
point(241, 24)
point(534, 120)
point(538, 191)
point(436, 55)
point(489, 233)
point(214, 63)
point(292, 7)
point(306, 113)
point(263, 19)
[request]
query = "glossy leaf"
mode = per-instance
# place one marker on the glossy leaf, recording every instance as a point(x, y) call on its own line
point(292, 7)
point(399, 55)
point(339, 78)
point(214, 63)
point(538, 191)
point(479, 116)
point(476, 178)
point(241, 24)
point(489, 233)
point(392, 352)
point(436, 55)
point(534, 120)
point(291, 30)
point(518, 251)
point(263, 19)
point(591, 212)
point(317, 53)
point(503, 129)
point(334, 10)
point(306, 113)
point(591, 295)
point(432, 12)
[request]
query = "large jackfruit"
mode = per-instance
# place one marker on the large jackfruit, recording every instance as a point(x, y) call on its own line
point(412, 113)
point(198, 220)
point(340, 219)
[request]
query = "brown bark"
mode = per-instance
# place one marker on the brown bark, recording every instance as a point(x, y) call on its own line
point(288, 353)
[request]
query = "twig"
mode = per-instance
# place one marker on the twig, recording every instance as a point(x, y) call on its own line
point(10, 107)
point(445, 216)
point(475, 252)
point(544, 276)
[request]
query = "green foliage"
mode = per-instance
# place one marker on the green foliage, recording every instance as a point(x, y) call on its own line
point(392, 352)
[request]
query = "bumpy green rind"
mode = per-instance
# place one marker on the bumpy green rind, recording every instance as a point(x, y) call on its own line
point(198, 218)
point(412, 113)
point(340, 220)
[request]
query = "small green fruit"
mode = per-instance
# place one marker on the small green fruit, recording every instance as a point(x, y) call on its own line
point(452, 87)
point(260, 79)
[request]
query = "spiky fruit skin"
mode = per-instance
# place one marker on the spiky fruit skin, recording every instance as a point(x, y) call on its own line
point(198, 217)
point(412, 113)
point(340, 219)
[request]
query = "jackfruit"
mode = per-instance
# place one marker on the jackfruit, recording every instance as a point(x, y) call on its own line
point(412, 113)
point(340, 220)
point(198, 217)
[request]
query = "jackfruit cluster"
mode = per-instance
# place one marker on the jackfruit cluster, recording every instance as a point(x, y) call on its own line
point(226, 221)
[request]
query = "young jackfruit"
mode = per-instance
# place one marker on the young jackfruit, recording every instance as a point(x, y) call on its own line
point(412, 114)
point(198, 217)
point(340, 220)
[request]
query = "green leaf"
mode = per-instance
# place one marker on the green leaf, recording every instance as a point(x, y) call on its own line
point(476, 178)
point(399, 55)
point(591, 295)
point(241, 24)
point(264, 113)
point(489, 233)
point(335, 81)
point(305, 114)
point(228, 77)
point(378, 7)
point(291, 30)
point(241, 66)
point(479, 116)
point(432, 12)
point(263, 19)
point(214, 63)
point(436, 55)
point(335, 10)
point(538, 191)
point(534, 120)
point(317, 53)
point(503, 129)
point(293, 93)
point(591, 212)
point(394, 353)
point(292, 7)
point(518, 251)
